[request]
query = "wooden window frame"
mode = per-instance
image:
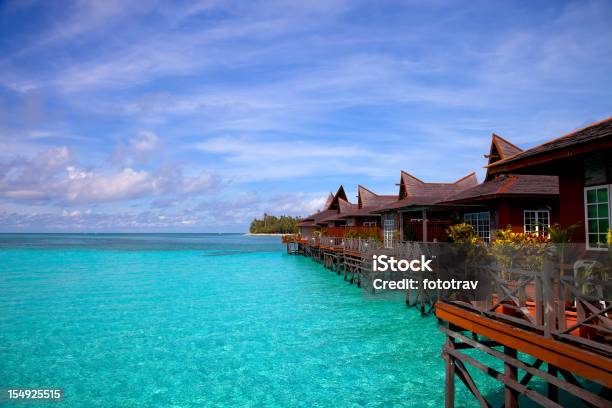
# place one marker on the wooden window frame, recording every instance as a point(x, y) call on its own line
point(537, 222)
point(488, 238)
point(586, 215)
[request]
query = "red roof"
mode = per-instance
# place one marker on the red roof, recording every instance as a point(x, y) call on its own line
point(416, 192)
point(503, 148)
point(317, 217)
point(332, 200)
point(367, 202)
point(367, 198)
point(596, 136)
point(413, 187)
point(329, 200)
point(508, 185)
point(344, 207)
point(500, 149)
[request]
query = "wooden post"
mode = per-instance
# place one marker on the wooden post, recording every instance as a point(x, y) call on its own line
point(449, 392)
point(401, 226)
point(548, 299)
point(511, 373)
point(552, 390)
point(424, 216)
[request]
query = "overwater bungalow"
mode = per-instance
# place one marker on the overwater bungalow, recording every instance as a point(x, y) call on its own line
point(526, 203)
point(337, 207)
point(558, 315)
point(339, 217)
point(310, 224)
point(546, 314)
point(416, 215)
point(582, 160)
point(360, 218)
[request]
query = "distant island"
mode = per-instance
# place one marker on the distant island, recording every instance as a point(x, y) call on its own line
point(271, 224)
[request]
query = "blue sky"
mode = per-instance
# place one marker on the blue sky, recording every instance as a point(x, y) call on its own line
point(198, 116)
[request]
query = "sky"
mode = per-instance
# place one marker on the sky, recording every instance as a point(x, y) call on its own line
point(198, 116)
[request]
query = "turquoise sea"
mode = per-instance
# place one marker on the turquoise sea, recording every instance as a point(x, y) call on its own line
point(178, 320)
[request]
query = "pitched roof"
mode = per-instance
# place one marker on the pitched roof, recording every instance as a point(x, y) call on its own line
point(330, 198)
point(500, 149)
point(317, 217)
point(411, 186)
point(367, 201)
point(334, 209)
point(346, 206)
point(340, 194)
point(415, 192)
point(312, 219)
point(508, 185)
point(367, 198)
point(567, 145)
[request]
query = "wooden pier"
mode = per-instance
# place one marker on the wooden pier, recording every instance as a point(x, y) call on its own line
point(352, 259)
point(538, 324)
point(559, 319)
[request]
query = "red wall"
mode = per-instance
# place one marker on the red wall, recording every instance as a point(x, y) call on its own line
point(510, 211)
point(360, 220)
point(571, 193)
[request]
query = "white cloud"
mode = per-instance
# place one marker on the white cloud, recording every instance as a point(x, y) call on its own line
point(53, 176)
point(103, 187)
point(297, 203)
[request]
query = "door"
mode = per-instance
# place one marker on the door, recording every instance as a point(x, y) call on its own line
point(389, 231)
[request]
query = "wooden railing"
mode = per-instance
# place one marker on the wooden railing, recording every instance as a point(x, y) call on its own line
point(556, 290)
point(362, 246)
point(289, 238)
point(352, 232)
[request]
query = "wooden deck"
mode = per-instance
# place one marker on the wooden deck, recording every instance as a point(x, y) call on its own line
point(586, 363)
point(466, 329)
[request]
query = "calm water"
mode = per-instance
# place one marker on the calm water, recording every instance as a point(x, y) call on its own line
point(215, 320)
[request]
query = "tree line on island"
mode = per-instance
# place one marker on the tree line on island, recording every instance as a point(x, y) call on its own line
point(270, 224)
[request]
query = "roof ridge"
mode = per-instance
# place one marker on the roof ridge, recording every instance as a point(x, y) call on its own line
point(496, 136)
point(411, 176)
point(359, 186)
point(572, 133)
point(466, 177)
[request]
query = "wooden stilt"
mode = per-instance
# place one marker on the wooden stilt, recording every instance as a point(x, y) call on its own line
point(511, 373)
point(552, 390)
point(449, 396)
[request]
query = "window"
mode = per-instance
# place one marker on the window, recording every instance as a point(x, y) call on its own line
point(369, 223)
point(597, 215)
point(481, 223)
point(536, 221)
